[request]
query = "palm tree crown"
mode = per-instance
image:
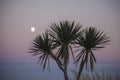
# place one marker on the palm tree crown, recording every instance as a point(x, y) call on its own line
point(64, 34)
point(91, 39)
point(42, 46)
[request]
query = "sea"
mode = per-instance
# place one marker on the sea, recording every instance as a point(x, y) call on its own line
point(33, 71)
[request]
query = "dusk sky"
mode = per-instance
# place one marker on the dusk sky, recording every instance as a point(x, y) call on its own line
point(18, 16)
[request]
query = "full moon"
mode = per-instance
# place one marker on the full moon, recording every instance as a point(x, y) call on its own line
point(32, 29)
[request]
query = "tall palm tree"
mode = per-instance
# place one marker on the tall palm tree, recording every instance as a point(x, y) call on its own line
point(91, 39)
point(64, 35)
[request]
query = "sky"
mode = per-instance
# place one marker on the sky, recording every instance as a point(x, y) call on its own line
point(18, 16)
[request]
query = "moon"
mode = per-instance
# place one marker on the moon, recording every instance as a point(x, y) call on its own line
point(32, 29)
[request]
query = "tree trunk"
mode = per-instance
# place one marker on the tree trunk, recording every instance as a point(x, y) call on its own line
point(65, 75)
point(80, 70)
point(63, 69)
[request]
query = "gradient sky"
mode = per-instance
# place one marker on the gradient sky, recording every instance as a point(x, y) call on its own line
point(17, 16)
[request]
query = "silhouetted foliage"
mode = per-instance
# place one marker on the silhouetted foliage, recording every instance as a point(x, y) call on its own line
point(91, 39)
point(63, 37)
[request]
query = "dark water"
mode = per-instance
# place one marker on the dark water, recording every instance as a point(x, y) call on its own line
point(32, 71)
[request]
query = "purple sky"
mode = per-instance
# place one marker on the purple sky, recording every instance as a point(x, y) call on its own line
point(17, 16)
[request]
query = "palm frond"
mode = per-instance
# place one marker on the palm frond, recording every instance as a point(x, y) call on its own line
point(42, 46)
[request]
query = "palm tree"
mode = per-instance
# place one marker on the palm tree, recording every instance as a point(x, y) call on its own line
point(64, 35)
point(91, 39)
point(60, 37)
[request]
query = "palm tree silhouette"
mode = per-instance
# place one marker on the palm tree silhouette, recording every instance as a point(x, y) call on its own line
point(58, 42)
point(91, 39)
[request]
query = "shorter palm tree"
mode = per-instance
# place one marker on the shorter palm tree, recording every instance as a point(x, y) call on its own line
point(91, 39)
